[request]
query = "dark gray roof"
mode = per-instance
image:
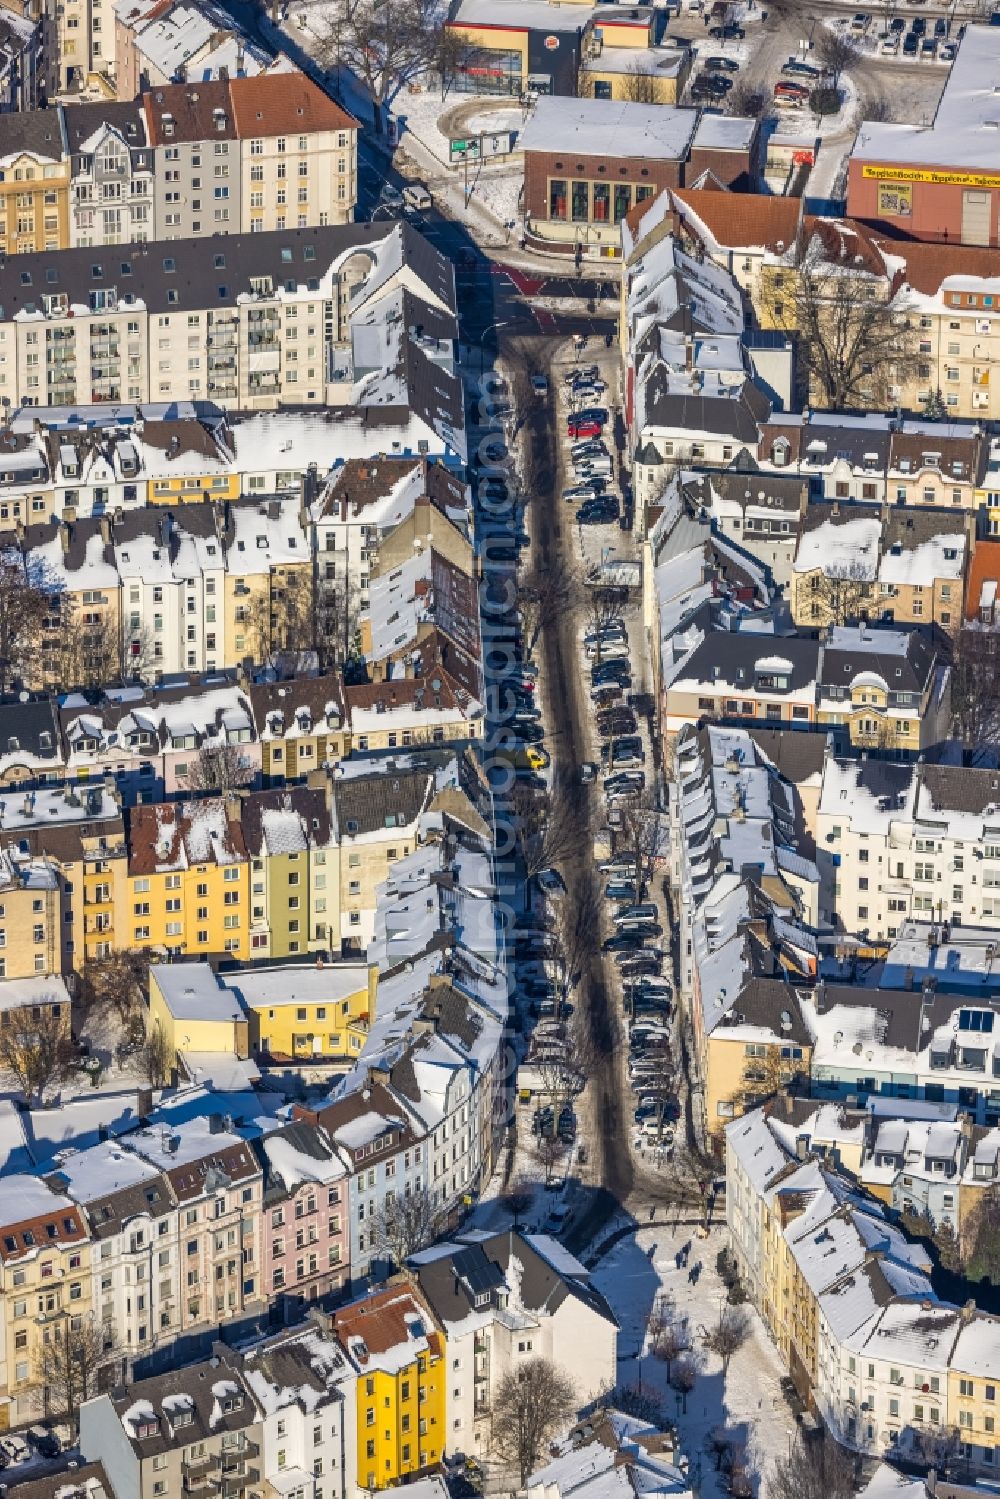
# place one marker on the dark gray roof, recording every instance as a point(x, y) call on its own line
point(63, 1484)
point(36, 130)
point(859, 445)
point(109, 1214)
point(784, 493)
point(367, 803)
point(956, 788)
point(794, 756)
point(208, 1417)
point(901, 673)
point(765, 1002)
point(884, 781)
point(728, 659)
point(83, 120)
point(30, 729)
point(206, 275)
point(736, 416)
point(542, 1289)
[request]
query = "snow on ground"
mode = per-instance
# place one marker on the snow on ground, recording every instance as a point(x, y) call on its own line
point(748, 1403)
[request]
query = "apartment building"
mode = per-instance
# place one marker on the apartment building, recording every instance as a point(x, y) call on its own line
point(112, 173)
point(241, 326)
point(136, 1258)
point(31, 909)
point(850, 1306)
point(196, 159)
point(81, 837)
point(400, 1359)
point(153, 44)
point(189, 878)
point(731, 674)
point(855, 563)
point(304, 1386)
point(184, 1429)
point(21, 60)
point(306, 1237)
point(883, 689)
point(469, 1287)
point(294, 140)
point(45, 1289)
point(34, 182)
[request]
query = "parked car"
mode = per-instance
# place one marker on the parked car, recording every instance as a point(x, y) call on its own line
point(416, 195)
point(620, 889)
point(911, 44)
point(600, 512)
point(918, 26)
point(928, 47)
point(588, 771)
point(540, 384)
point(948, 52)
point(390, 196)
point(625, 782)
point(789, 90)
point(583, 429)
point(795, 69)
point(729, 32)
point(722, 64)
point(861, 21)
point(551, 882)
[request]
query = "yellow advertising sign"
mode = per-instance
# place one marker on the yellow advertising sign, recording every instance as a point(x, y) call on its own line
point(924, 174)
point(895, 199)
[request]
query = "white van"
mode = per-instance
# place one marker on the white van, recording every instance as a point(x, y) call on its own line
point(416, 196)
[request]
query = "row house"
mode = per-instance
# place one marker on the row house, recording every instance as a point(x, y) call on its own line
point(850, 1306)
point(191, 1429)
point(230, 156)
point(80, 835)
point(260, 320)
point(77, 462)
point(883, 689)
point(189, 878)
point(400, 1361)
point(22, 76)
point(157, 42)
point(897, 842)
point(45, 1290)
point(853, 564)
point(306, 1215)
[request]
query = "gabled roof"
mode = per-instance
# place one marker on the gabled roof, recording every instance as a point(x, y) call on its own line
point(285, 103)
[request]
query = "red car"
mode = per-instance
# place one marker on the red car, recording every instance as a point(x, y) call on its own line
point(583, 429)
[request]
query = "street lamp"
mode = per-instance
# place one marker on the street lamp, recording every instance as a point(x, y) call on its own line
point(482, 342)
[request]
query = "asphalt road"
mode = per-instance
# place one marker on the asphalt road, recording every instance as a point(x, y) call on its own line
point(567, 706)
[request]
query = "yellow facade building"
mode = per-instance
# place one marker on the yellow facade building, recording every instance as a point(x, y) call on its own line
point(188, 879)
point(400, 1360)
point(45, 1291)
point(35, 167)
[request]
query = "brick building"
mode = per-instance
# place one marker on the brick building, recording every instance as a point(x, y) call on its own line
point(587, 162)
point(941, 181)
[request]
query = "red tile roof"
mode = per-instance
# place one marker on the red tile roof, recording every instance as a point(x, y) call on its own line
point(984, 568)
point(283, 104)
point(744, 219)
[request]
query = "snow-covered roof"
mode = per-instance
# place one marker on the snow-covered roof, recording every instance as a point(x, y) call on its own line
point(605, 127)
point(963, 133)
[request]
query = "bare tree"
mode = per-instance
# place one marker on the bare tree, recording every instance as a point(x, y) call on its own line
point(116, 984)
point(455, 53)
point(815, 1469)
point(385, 43)
point(563, 1063)
point(545, 595)
point(577, 934)
point(982, 1235)
point(156, 1057)
point(218, 769)
point(838, 594)
point(877, 107)
point(531, 1404)
point(138, 660)
point(24, 604)
point(667, 1333)
point(975, 689)
point(518, 1198)
point(748, 100)
point(729, 1334)
point(88, 648)
point(853, 343)
point(68, 1365)
point(605, 606)
point(837, 51)
point(550, 826)
point(642, 837)
point(403, 1224)
point(35, 1047)
point(550, 1151)
point(683, 1379)
point(638, 86)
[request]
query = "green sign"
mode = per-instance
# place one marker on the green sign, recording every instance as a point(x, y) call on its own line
point(465, 150)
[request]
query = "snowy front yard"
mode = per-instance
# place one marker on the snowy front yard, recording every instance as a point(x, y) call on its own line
point(748, 1403)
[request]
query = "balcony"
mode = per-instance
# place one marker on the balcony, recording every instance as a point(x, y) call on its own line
point(236, 1484)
